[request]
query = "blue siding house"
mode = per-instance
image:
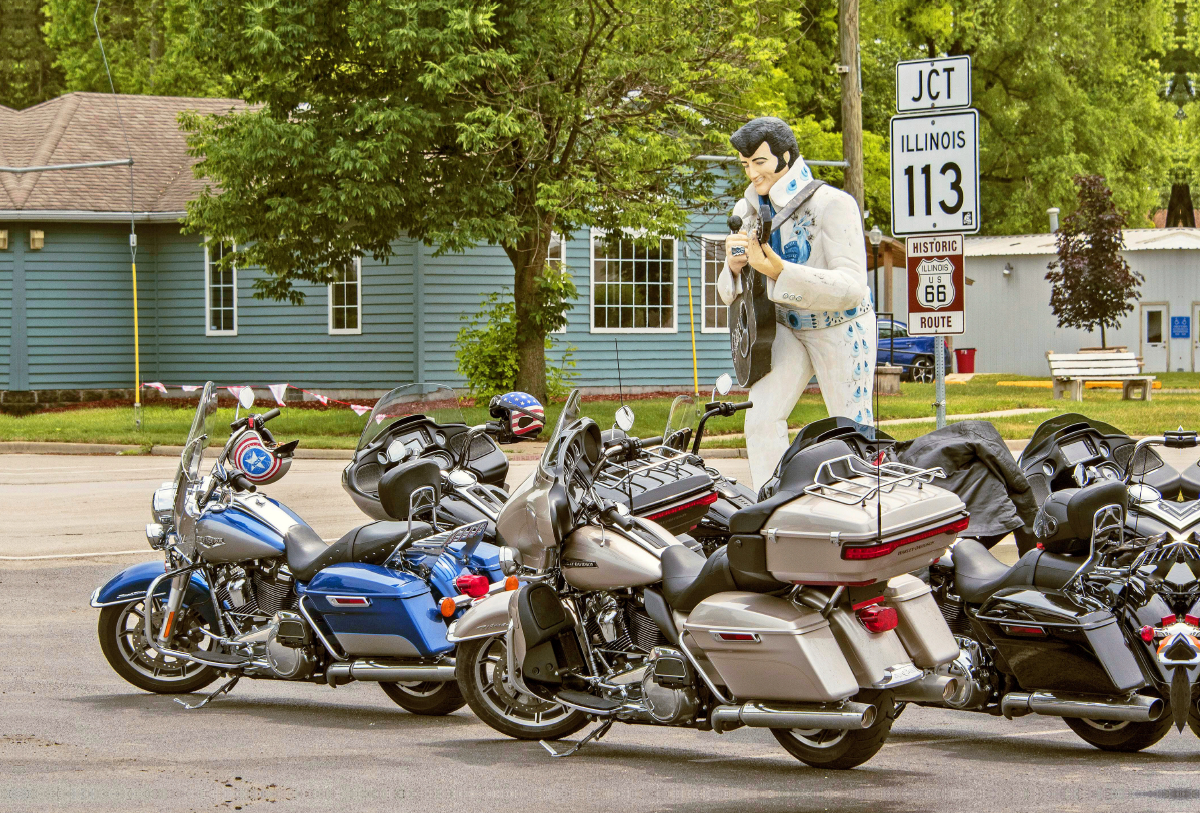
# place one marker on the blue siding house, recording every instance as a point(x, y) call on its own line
point(66, 312)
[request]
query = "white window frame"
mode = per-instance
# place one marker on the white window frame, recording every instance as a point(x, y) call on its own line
point(329, 309)
point(599, 233)
point(208, 329)
point(564, 268)
point(704, 328)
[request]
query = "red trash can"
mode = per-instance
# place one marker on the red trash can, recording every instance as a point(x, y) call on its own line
point(964, 359)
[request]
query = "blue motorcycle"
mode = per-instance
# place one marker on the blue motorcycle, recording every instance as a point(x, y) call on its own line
point(248, 589)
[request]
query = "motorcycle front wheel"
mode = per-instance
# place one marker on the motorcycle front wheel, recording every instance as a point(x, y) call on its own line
point(482, 669)
point(122, 640)
point(426, 697)
point(841, 750)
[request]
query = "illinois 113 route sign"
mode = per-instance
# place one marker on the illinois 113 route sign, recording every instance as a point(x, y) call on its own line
point(935, 173)
point(936, 285)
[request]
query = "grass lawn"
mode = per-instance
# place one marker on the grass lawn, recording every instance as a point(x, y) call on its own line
point(338, 428)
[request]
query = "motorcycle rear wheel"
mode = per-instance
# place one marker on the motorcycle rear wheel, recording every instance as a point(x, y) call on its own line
point(1125, 737)
point(481, 666)
point(123, 642)
point(426, 697)
point(842, 750)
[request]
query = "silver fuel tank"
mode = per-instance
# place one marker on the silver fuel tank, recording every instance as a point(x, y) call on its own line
point(595, 558)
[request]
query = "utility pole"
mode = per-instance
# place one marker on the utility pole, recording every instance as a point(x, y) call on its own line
point(848, 69)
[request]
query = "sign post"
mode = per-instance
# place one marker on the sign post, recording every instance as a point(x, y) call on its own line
point(935, 197)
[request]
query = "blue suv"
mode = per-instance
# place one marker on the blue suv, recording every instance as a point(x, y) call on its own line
point(913, 353)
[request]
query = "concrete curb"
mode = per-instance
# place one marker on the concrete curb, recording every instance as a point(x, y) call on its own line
point(31, 447)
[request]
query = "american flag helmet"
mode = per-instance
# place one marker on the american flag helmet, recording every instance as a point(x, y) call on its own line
point(258, 460)
point(521, 414)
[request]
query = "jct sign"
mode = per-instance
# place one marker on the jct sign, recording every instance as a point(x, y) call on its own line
point(936, 285)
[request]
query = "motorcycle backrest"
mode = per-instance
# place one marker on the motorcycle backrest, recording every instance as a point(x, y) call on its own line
point(1065, 521)
point(397, 485)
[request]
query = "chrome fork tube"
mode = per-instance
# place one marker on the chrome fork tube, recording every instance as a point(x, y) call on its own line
point(171, 611)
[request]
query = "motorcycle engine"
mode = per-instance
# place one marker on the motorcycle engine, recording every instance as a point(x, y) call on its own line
point(668, 691)
point(289, 646)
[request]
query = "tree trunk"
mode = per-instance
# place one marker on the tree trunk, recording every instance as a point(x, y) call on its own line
point(528, 257)
point(1103, 344)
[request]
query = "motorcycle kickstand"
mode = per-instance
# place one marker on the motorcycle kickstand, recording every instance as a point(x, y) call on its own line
point(597, 732)
point(226, 687)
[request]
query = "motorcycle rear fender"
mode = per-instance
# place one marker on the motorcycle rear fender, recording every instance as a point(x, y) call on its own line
point(483, 619)
point(131, 584)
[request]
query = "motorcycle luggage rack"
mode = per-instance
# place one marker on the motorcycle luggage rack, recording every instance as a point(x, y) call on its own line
point(661, 458)
point(860, 481)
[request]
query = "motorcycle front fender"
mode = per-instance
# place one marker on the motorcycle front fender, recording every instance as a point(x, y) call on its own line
point(132, 582)
point(483, 619)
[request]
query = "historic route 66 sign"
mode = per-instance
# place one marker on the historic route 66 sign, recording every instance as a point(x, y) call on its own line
point(936, 285)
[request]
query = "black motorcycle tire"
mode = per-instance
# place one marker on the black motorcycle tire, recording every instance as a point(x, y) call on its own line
point(426, 698)
point(466, 668)
point(1127, 738)
point(847, 749)
point(1194, 717)
point(110, 645)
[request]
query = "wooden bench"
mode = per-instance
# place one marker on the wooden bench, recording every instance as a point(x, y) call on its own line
point(1071, 370)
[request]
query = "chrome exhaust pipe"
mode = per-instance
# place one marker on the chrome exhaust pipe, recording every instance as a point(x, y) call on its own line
point(389, 672)
point(1139, 709)
point(929, 689)
point(845, 717)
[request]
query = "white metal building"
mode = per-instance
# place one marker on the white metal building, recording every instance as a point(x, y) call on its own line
point(1010, 324)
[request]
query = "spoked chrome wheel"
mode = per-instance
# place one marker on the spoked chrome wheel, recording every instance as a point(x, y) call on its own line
point(1120, 735)
point(123, 640)
point(425, 697)
point(482, 669)
point(818, 738)
point(922, 370)
point(839, 750)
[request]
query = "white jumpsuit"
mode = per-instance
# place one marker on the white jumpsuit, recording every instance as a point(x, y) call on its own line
point(823, 282)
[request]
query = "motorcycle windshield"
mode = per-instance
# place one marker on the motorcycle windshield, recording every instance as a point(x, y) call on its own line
point(682, 420)
point(437, 402)
point(199, 435)
point(1047, 433)
point(570, 412)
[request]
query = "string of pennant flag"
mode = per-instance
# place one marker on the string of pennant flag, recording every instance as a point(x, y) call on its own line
point(277, 392)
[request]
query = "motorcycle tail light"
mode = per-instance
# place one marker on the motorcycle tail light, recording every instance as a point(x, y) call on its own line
point(877, 618)
point(1147, 633)
point(472, 585)
point(1191, 619)
point(1168, 620)
point(861, 552)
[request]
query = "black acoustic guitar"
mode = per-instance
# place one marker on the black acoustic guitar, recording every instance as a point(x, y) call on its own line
point(752, 314)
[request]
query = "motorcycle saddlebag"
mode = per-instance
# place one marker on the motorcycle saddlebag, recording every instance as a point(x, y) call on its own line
point(1050, 642)
point(375, 611)
point(765, 648)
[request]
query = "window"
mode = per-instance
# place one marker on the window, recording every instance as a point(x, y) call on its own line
point(716, 314)
point(220, 287)
point(891, 330)
point(633, 287)
point(345, 301)
point(556, 257)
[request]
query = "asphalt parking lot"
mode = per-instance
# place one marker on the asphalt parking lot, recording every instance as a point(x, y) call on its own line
point(75, 736)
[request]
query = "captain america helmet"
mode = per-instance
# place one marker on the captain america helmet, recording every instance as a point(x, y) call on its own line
point(258, 461)
point(520, 414)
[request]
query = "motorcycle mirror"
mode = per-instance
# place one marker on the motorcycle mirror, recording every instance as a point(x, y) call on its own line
point(246, 397)
point(624, 418)
point(724, 384)
point(1140, 493)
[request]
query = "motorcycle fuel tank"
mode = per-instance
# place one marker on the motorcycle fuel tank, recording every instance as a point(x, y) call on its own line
point(595, 558)
point(251, 528)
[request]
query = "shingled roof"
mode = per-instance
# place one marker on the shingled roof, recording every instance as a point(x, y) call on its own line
point(82, 127)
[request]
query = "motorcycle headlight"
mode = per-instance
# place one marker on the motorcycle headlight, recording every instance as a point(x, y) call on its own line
point(509, 563)
point(162, 503)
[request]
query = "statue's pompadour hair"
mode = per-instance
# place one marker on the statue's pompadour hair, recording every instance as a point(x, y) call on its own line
point(774, 131)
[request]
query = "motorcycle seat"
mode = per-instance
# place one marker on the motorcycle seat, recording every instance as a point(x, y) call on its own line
point(689, 578)
point(978, 574)
point(307, 553)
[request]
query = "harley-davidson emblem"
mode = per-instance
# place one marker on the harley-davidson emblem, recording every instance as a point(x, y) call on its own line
point(935, 283)
point(577, 563)
point(209, 541)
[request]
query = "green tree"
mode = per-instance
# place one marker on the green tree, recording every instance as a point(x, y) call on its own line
point(1091, 284)
point(458, 122)
point(1062, 89)
point(148, 45)
point(27, 72)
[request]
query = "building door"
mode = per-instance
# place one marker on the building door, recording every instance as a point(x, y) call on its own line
point(1195, 338)
point(1155, 339)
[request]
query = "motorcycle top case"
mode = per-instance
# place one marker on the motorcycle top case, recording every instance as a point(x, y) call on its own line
point(400, 618)
point(1050, 642)
point(817, 540)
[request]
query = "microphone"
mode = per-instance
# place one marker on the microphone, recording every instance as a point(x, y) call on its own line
point(735, 226)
